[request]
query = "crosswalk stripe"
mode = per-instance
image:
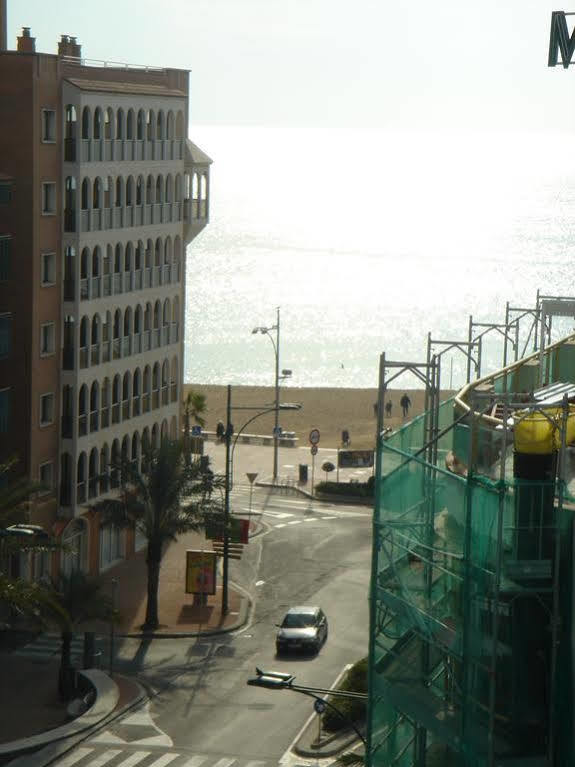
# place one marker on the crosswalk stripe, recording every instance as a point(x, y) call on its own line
point(295, 522)
point(224, 763)
point(255, 763)
point(134, 758)
point(195, 761)
point(163, 760)
point(68, 761)
point(282, 525)
point(104, 758)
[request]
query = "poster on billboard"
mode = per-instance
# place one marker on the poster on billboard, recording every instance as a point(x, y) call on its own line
point(354, 459)
point(238, 530)
point(200, 572)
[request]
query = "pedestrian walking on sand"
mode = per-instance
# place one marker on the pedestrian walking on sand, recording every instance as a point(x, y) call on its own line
point(405, 402)
point(388, 406)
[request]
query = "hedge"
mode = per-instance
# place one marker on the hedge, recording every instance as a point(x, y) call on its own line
point(354, 489)
point(356, 681)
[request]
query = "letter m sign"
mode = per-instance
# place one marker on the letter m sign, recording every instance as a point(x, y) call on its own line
point(560, 41)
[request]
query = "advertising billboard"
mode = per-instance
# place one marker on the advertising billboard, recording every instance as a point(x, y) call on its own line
point(200, 572)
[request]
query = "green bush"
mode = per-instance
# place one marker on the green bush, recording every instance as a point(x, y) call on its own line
point(353, 489)
point(355, 681)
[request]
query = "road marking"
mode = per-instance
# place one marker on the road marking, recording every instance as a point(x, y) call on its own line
point(329, 517)
point(134, 758)
point(260, 583)
point(224, 763)
point(310, 520)
point(282, 525)
point(295, 522)
point(106, 757)
point(68, 761)
point(163, 760)
point(195, 761)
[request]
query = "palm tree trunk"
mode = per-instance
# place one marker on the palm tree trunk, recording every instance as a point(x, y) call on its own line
point(153, 561)
point(65, 681)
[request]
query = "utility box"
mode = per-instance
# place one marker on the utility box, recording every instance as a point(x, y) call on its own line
point(303, 473)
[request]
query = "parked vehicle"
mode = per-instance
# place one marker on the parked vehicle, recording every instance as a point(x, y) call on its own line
point(303, 628)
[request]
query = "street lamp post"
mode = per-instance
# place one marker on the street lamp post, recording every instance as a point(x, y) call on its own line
point(229, 476)
point(285, 374)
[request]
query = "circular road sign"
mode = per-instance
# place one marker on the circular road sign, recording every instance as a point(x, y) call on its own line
point(313, 450)
point(319, 705)
point(314, 436)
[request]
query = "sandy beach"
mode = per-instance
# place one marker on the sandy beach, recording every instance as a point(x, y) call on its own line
point(328, 409)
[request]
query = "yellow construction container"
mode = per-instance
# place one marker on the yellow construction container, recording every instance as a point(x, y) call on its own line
point(540, 434)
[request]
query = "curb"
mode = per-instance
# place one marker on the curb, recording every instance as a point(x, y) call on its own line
point(341, 740)
point(245, 609)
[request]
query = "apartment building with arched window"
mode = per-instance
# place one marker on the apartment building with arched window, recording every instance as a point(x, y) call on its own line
point(107, 193)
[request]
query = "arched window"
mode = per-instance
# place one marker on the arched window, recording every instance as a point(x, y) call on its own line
point(166, 313)
point(138, 320)
point(81, 479)
point(146, 389)
point(118, 258)
point(83, 411)
point(141, 124)
point(95, 330)
point(97, 123)
point(116, 399)
point(135, 451)
point(128, 256)
point(168, 197)
point(150, 121)
point(128, 321)
point(174, 380)
point(149, 190)
point(157, 314)
point(160, 125)
point(71, 124)
point(203, 187)
point(93, 473)
point(164, 431)
point(158, 252)
point(85, 194)
point(178, 192)
point(97, 194)
point(105, 404)
point(108, 123)
point(139, 190)
point(94, 406)
point(176, 310)
point(139, 256)
point(104, 469)
point(130, 191)
point(160, 189)
point(119, 196)
point(168, 251)
point(149, 252)
point(165, 382)
point(120, 124)
point(115, 464)
point(155, 437)
point(130, 124)
point(145, 450)
point(156, 385)
point(86, 120)
point(108, 186)
point(170, 125)
point(136, 392)
point(96, 262)
point(84, 261)
point(148, 317)
point(126, 395)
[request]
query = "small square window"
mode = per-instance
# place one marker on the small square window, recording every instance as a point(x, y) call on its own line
point(48, 269)
point(47, 338)
point(46, 475)
point(48, 198)
point(48, 126)
point(46, 409)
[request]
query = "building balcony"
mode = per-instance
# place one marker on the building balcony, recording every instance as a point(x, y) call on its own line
point(123, 150)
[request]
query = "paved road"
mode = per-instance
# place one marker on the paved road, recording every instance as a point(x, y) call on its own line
point(204, 714)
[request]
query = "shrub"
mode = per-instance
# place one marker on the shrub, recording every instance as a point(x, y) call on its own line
point(355, 681)
point(354, 489)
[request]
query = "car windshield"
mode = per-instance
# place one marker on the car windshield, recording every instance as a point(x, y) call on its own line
point(298, 621)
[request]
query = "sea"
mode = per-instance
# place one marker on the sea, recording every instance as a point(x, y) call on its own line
point(373, 242)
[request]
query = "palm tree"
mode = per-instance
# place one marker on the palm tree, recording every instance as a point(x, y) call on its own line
point(80, 599)
point(194, 408)
point(167, 497)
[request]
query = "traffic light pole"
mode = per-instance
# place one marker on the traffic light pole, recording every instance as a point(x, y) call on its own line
point(228, 435)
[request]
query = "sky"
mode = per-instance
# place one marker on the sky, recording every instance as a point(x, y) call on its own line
point(383, 64)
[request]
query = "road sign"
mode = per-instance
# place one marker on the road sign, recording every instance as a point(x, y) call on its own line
point(313, 450)
point(314, 436)
point(196, 431)
point(319, 705)
point(251, 475)
point(277, 431)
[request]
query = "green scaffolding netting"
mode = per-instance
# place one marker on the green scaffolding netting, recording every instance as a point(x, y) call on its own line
point(461, 601)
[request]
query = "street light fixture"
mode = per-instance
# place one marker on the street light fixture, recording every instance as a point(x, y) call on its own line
point(279, 680)
point(266, 331)
point(229, 473)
